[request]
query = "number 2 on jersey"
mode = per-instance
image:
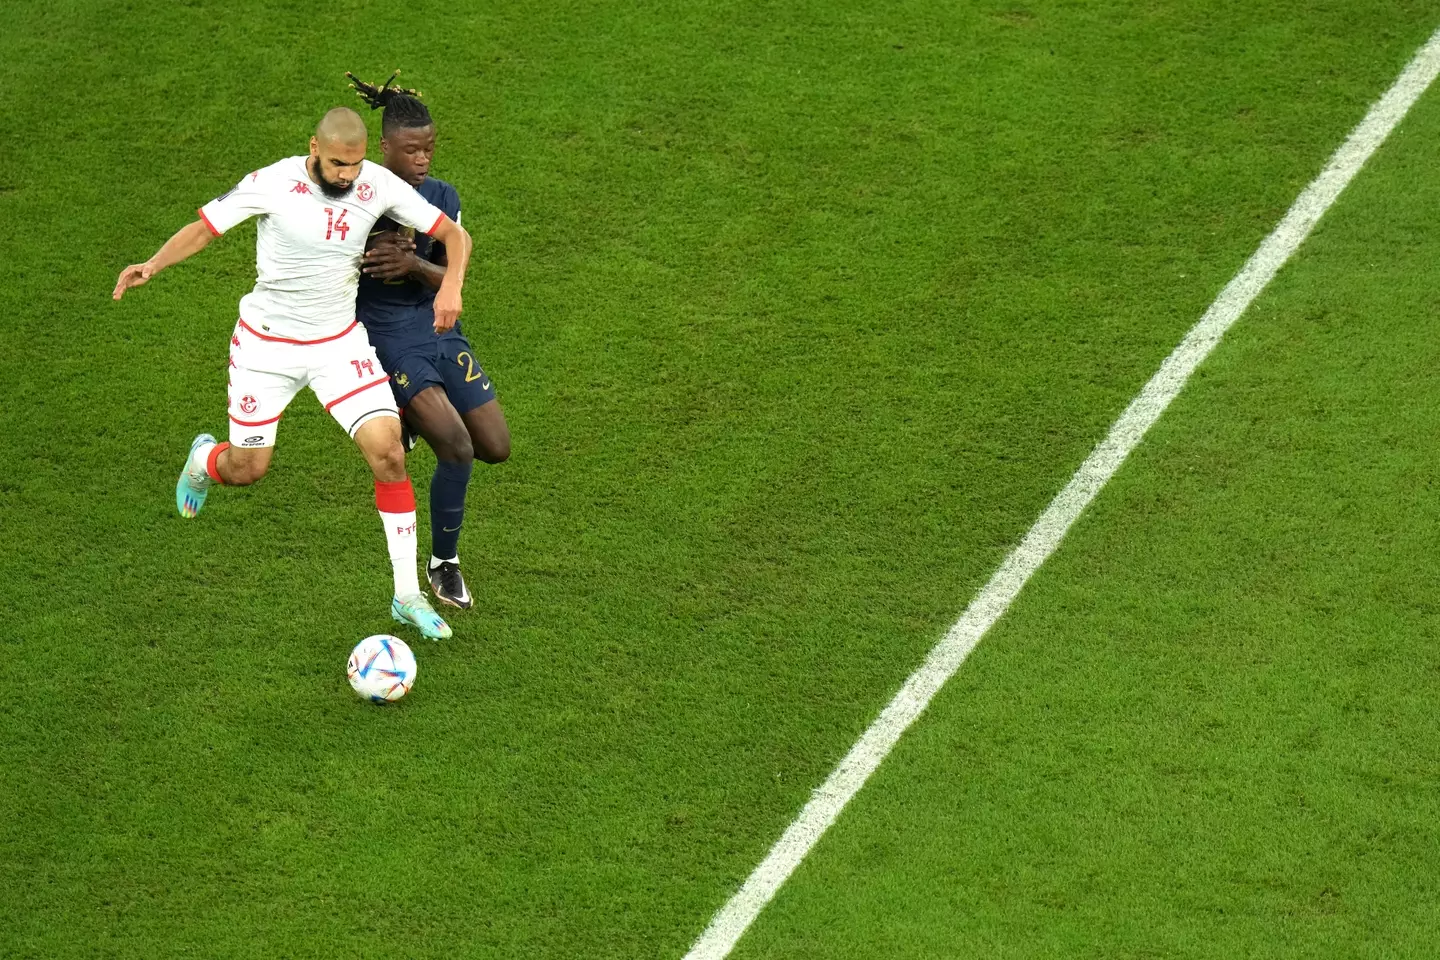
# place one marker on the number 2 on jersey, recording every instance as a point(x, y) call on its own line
point(464, 359)
point(334, 224)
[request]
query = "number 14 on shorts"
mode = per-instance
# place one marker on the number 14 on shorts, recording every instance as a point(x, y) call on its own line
point(363, 367)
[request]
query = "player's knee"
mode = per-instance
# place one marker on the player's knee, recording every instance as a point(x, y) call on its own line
point(495, 449)
point(387, 462)
point(455, 447)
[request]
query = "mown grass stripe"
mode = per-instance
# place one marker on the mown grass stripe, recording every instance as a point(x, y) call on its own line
point(825, 805)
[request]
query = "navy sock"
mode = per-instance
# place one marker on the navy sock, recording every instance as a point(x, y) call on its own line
point(447, 507)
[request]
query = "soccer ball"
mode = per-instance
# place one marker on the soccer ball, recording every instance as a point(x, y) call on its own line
point(381, 668)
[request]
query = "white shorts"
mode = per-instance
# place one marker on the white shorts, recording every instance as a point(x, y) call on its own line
point(267, 371)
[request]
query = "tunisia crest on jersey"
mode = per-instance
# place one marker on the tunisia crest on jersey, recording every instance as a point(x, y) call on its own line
point(364, 191)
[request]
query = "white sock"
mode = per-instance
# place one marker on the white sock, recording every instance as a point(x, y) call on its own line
point(196, 466)
point(396, 503)
point(436, 561)
point(400, 536)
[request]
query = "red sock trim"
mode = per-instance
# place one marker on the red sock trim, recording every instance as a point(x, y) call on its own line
point(212, 463)
point(396, 497)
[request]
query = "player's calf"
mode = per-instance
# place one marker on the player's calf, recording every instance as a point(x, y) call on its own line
point(210, 462)
point(240, 466)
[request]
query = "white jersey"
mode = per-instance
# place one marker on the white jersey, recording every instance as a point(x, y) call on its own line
point(308, 248)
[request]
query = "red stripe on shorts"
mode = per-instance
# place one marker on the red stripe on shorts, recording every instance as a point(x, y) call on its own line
point(352, 393)
point(302, 343)
point(257, 423)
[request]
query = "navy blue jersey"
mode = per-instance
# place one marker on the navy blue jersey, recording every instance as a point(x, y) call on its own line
point(403, 311)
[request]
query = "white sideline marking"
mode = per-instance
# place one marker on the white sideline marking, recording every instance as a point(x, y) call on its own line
point(727, 926)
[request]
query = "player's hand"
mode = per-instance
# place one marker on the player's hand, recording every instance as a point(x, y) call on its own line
point(391, 258)
point(135, 275)
point(447, 309)
point(383, 237)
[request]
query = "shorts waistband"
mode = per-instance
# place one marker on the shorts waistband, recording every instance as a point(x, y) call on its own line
point(302, 343)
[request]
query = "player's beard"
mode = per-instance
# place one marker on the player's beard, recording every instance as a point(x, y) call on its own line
point(332, 190)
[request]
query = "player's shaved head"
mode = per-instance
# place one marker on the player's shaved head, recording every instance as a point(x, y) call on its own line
point(342, 125)
point(337, 151)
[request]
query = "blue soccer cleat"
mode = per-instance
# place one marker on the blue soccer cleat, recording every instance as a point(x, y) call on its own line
point(194, 482)
point(416, 611)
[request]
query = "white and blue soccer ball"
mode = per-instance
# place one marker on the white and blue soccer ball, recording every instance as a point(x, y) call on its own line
point(381, 668)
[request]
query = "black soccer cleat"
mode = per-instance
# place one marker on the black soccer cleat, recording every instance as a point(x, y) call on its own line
point(449, 587)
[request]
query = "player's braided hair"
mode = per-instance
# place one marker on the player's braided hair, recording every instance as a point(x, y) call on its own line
point(402, 106)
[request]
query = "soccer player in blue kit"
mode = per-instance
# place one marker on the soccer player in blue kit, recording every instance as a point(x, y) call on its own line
point(443, 393)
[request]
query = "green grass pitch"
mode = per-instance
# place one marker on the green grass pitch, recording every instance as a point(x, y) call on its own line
point(800, 312)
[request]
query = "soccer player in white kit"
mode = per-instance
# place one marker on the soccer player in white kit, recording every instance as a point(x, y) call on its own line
point(298, 325)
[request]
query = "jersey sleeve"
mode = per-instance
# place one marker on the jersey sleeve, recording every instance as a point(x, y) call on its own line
point(452, 204)
point(408, 207)
point(449, 204)
point(247, 199)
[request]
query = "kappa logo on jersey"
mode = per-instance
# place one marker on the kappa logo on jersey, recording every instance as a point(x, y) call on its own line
point(248, 404)
point(300, 187)
point(365, 192)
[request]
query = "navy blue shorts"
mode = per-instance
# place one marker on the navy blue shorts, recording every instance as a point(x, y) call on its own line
point(447, 362)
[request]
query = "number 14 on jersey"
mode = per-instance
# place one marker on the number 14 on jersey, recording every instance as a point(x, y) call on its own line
point(334, 224)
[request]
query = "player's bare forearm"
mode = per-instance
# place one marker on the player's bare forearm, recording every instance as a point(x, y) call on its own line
point(187, 241)
point(457, 256)
point(430, 274)
point(457, 252)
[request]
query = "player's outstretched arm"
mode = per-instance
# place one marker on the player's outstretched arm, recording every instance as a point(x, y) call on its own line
point(188, 241)
point(457, 253)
